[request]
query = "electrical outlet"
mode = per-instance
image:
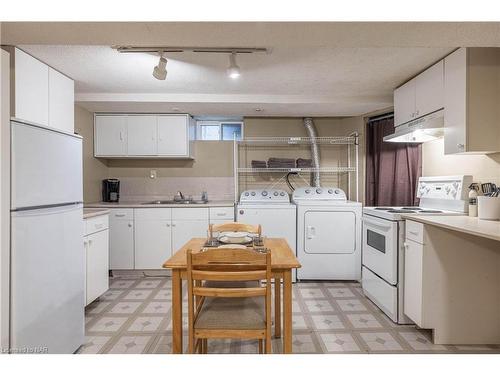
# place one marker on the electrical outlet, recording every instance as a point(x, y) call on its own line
point(152, 173)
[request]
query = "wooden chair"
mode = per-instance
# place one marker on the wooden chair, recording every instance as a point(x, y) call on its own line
point(240, 310)
point(234, 227)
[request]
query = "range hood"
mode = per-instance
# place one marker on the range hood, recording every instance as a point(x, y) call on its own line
point(423, 129)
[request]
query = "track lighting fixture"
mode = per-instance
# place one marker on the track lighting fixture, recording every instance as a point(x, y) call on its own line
point(233, 70)
point(160, 70)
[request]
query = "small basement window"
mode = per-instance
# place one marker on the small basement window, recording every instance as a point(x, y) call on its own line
point(218, 130)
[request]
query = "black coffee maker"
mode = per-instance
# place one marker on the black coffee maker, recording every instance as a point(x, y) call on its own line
point(110, 190)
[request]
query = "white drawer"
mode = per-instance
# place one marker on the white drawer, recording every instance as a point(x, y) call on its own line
point(414, 231)
point(190, 213)
point(96, 224)
point(121, 214)
point(222, 213)
point(153, 213)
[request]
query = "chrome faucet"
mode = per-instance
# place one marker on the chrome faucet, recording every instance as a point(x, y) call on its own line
point(179, 196)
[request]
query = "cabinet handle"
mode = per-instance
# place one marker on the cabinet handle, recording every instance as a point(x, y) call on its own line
point(129, 225)
point(168, 225)
point(405, 245)
point(121, 136)
point(221, 214)
point(90, 242)
point(119, 215)
point(412, 232)
point(173, 225)
point(460, 145)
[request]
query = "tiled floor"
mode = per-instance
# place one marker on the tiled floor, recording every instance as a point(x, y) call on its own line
point(329, 317)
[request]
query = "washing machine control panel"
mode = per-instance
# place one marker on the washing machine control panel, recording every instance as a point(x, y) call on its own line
point(319, 193)
point(264, 195)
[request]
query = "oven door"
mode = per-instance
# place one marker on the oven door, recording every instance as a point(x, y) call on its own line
point(380, 247)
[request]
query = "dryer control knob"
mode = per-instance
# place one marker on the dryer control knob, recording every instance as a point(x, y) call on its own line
point(264, 193)
point(247, 194)
point(242, 212)
point(308, 191)
point(337, 191)
point(282, 193)
point(276, 194)
point(253, 193)
point(319, 191)
point(330, 191)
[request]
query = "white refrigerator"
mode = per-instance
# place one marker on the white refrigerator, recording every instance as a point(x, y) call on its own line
point(47, 254)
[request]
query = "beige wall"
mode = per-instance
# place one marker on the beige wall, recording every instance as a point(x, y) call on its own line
point(94, 170)
point(484, 168)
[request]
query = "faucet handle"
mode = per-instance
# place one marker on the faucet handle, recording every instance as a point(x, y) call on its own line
point(204, 196)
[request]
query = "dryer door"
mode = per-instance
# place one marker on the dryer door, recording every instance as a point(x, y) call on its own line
point(329, 232)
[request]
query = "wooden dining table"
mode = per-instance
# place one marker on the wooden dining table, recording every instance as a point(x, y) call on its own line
point(283, 261)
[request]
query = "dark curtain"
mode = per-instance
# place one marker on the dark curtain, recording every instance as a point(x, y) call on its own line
point(392, 169)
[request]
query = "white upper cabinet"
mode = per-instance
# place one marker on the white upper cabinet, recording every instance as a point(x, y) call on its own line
point(151, 136)
point(61, 101)
point(142, 135)
point(472, 101)
point(110, 136)
point(429, 90)
point(173, 135)
point(31, 88)
point(41, 95)
point(420, 96)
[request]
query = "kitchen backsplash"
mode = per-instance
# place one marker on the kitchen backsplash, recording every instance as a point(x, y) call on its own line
point(142, 189)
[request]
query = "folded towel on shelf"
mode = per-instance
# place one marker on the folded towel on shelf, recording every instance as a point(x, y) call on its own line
point(281, 163)
point(304, 163)
point(259, 164)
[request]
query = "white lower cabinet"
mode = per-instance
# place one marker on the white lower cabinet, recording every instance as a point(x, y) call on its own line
point(183, 231)
point(121, 239)
point(153, 237)
point(96, 244)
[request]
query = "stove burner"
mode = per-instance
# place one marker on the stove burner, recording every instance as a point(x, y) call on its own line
point(405, 211)
point(411, 208)
point(430, 211)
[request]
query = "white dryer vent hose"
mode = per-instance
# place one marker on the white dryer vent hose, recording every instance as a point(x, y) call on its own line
point(311, 131)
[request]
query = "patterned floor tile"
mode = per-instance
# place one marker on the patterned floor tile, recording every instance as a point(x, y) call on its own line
point(351, 305)
point(93, 344)
point(111, 295)
point(145, 324)
point(340, 292)
point(121, 284)
point(339, 342)
point(125, 307)
point(148, 284)
point(381, 341)
point(108, 324)
point(319, 306)
point(138, 294)
point(158, 307)
point(363, 321)
point(304, 343)
point(311, 293)
point(298, 322)
point(164, 293)
point(418, 341)
point(97, 307)
point(327, 321)
point(131, 345)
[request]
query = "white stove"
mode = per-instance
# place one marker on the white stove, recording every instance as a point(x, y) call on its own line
point(383, 239)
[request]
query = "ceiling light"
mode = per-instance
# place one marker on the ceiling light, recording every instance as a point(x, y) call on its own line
point(160, 70)
point(233, 70)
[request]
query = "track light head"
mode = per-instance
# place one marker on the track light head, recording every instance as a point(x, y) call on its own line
point(160, 70)
point(233, 70)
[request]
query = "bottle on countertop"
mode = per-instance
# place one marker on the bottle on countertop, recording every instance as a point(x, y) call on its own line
point(473, 189)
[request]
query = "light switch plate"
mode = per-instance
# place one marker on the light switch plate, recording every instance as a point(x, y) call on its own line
point(152, 173)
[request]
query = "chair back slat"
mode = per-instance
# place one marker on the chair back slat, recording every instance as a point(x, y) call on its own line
point(228, 256)
point(235, 227)
point(229, 292)
point(228, 275)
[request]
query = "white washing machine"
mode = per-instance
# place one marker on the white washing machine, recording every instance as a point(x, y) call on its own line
point(271, 209)
point(328, 234)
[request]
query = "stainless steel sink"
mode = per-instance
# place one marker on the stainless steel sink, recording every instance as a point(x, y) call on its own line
point(179, 202)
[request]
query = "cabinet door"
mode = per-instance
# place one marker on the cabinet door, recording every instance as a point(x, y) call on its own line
point(153, 243)
point(110, 136)
point(404, 103)
point(61, 101)
point(31, 84)
point(97, 265)
point(173, 137)
point(429, 90)
point(183, 231)
point(413, 281)
point(141, 135)
point(121, 244)
point(455, 102)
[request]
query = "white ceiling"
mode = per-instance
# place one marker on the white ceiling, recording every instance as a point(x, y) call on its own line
point(323, 69)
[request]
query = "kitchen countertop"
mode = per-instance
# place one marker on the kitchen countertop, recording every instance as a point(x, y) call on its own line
point(465, 224)
point(135, 204)
point(92, 212)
